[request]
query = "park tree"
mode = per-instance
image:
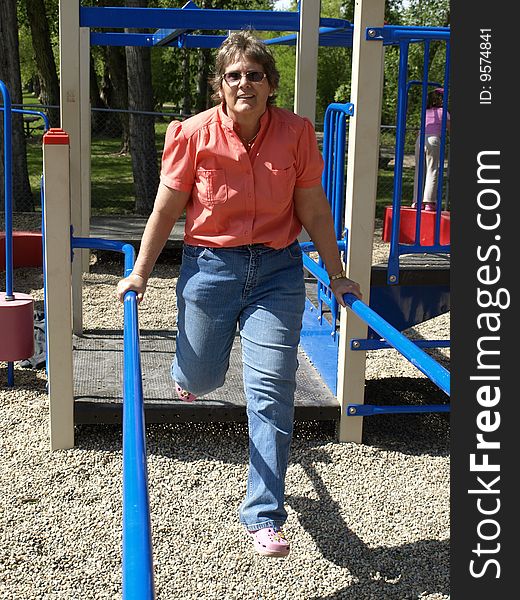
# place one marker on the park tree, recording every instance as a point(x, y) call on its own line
point(10, 74)
point(49, 87)
point(142, 127)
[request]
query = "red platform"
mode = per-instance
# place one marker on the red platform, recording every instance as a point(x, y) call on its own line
point(407, 224)
point(27, 249)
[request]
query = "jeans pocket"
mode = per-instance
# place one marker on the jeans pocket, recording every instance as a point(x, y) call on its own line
point(295, 251)
point(192, 253)
point(211, 186)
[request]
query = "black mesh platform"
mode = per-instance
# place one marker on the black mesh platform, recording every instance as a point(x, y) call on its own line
point(98, 381)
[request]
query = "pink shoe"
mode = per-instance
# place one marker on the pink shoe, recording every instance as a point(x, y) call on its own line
point(184, 395)
point(430, 207)
point(270, 541)
point(414, 205)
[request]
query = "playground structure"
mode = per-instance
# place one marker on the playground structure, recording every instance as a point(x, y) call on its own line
point(360, 328)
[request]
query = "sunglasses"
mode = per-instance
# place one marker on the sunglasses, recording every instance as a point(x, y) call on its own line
point(234, 77)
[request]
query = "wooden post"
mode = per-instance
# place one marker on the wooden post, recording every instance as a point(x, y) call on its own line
point(70, 111)
point(306, 77)
point(362, 170)
point(58, 301)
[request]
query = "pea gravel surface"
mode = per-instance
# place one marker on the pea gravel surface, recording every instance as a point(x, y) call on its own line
point(366, 521)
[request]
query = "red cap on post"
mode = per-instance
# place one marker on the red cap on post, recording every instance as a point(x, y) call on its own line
point(56, 136)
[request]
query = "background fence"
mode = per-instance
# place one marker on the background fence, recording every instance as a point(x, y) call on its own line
point(112, 182)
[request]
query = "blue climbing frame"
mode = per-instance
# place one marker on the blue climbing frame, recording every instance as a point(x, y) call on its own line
point(320, 337)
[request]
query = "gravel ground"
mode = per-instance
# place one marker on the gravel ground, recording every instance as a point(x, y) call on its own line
point(366, 521)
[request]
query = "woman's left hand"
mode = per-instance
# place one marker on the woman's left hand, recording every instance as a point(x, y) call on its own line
point(345, 286)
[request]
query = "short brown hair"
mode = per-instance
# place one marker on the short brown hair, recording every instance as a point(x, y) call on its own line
point(243, 44)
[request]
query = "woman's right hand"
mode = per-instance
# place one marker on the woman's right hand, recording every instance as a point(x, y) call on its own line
point(134, 282)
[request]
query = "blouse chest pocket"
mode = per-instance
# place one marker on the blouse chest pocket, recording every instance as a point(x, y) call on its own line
point(211, 186)
point(282, 179)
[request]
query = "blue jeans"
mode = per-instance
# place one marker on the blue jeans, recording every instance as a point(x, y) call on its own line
point(263, 292)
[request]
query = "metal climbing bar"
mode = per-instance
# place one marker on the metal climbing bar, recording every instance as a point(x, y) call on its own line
point(8, 191)
point(138, 581)
point(8, 214)
point(404, 37)
point(333, 181)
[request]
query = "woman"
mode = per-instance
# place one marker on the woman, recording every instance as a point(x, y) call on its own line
point(432, 147)
point(249, 176)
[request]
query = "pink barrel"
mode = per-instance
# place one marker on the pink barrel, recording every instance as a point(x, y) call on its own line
point(16, 327)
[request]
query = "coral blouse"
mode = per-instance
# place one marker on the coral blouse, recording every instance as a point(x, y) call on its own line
point(241, 197)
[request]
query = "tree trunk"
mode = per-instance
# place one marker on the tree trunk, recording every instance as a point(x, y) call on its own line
point(186, 87)
point(202, 102)
point(142, 127)
point(99, 118)
point(116, 63)
point(41, 42)
point(23, 199)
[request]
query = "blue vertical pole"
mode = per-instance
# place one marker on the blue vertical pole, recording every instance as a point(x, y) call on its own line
point(8, 200)
point(393, 258)
point(8, 194)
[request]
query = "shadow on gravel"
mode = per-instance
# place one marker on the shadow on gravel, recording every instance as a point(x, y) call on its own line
point(25, 380)
point(427, 433)
point(405, 571)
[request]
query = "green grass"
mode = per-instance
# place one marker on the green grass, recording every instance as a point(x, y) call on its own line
point(112, 187)
point(30, 99)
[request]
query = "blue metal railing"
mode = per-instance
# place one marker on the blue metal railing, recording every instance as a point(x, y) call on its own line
point(411, 351)
point(333, 181)
point(138, 581)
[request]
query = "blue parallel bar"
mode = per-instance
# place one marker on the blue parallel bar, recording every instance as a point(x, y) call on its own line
point(422, 361)
point(138, 583)
point(425, 363)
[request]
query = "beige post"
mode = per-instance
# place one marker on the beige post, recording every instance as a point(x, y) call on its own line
point(85, 150)
point(362, 169)
point(58, 302)
point(306, 77)
point(70, 101)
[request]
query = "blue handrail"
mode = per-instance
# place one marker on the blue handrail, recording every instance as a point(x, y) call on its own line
point(138, 582)
point(422, 361)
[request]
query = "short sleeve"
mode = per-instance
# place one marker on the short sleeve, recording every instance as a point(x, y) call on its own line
point(309, 162)
point(177, 167)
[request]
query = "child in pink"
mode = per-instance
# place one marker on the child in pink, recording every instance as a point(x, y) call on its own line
point(432, 144)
